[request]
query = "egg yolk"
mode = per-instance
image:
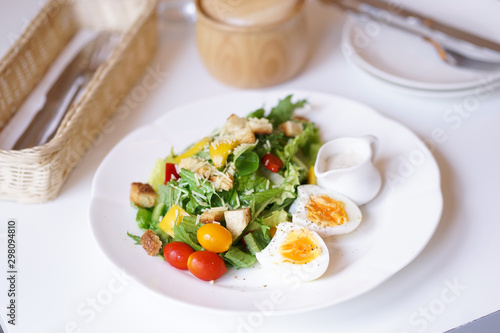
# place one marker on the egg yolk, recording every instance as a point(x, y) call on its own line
point(326, 211)
point(299, 248)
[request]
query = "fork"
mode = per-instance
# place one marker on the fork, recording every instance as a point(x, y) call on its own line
point(457, 59)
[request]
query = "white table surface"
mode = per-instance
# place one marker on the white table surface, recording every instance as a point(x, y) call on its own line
point(62, 271)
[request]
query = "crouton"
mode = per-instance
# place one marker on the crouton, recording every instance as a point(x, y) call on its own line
point(222, 182)
point(204, 170)
point(196, 165)
point(260, 126)
point(151, 242)
point(236, 128)
point(211, 216)
point(237, 220)
point(142, 195)
point(188, 163)
point(300, 118)
point(245, 135)
point(291, 128)
point(233, 124)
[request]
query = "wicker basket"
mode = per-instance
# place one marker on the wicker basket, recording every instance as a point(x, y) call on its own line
point(37, 174)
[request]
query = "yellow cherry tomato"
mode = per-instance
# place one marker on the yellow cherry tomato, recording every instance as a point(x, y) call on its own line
point(214, 237)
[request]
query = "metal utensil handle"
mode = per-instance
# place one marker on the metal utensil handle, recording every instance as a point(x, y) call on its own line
point(38, 125)
point(75, 96)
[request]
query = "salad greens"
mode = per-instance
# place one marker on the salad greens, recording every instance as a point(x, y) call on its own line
point(245, 181)
point(284, 110)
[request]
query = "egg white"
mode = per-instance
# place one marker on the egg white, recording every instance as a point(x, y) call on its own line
point(299, 211)
point(271, 259)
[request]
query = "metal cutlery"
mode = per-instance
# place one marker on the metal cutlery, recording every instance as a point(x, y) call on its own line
point(426, 28)
point(66, 90)
point(455, 58)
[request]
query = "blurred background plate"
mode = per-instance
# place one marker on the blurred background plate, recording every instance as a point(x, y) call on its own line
point(406, 60)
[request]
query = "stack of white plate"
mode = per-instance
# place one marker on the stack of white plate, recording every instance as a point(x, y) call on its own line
point(409, 64)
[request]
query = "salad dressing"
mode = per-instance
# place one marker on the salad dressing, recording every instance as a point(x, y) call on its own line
point(342, 161)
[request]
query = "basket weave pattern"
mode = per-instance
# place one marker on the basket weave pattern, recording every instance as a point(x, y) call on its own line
point(37, 174)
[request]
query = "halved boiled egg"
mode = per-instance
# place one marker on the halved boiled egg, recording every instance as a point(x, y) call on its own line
point(324, 211)
point(295, 252)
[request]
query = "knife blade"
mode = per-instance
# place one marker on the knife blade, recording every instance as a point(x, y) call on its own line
point(56, 98)
point(412, 21)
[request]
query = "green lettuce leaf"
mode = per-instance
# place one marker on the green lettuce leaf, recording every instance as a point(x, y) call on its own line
point(239, 258)
point(287, 188)
point(308, 140)
point(252, 182)
point(284, 111)
point(275, 218)
point(157, 175)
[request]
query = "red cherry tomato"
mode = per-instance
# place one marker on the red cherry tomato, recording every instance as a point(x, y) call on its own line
point(214, 237)
point(177, 254)
point(272, 162)
point(170, 172)
point(206, 265)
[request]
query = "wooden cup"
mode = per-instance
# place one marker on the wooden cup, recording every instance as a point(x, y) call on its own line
point(253, 56)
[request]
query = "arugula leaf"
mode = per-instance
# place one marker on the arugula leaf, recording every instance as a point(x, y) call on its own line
point(202, 186)
point(284, 110)
point(186, 232)
point(164, 237)
point(171, 194)
point(275, 142)
point(196, 203)
point(259, 201)
point(259, 113)
point(137, 239)
point(195, 195)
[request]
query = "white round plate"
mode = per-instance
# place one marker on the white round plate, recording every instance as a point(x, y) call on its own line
point(407, 60)
point(394, 230)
